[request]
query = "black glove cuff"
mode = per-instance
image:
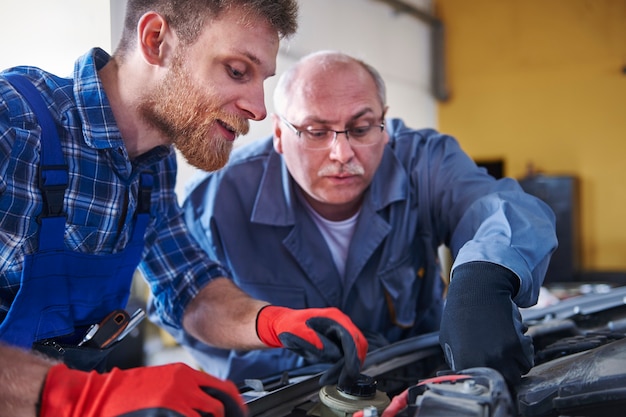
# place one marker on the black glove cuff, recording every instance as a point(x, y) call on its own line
point(482, 278)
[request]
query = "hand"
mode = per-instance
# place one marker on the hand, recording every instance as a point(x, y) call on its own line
point(324, 334)
point(173, 390)
point(481, 326)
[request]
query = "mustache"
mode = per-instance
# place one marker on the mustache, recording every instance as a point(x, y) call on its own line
point(240, 125)
point(351, 168)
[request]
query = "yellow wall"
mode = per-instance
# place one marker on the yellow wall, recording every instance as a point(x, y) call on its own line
point(543, 82)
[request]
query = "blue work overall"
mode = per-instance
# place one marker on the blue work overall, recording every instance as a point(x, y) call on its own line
point(62, 292)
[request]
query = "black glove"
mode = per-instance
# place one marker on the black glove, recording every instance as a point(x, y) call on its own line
point(481, 326)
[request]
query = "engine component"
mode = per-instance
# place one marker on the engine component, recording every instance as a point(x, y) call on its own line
point(475, 392)
point(589, 383)
point(343, 401)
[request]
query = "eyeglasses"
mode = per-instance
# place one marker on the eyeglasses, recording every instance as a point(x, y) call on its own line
point(359, 136)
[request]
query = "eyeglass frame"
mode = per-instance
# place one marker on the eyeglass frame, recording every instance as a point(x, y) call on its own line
point(346, 132)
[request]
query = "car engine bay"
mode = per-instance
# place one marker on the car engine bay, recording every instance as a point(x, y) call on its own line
point(580, 370)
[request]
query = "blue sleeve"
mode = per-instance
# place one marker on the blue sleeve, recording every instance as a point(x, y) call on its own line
point(480, 218)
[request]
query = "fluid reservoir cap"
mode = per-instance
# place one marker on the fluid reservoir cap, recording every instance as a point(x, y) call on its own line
point(363, 387)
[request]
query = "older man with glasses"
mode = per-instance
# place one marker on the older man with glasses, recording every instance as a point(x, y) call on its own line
point(342, 208)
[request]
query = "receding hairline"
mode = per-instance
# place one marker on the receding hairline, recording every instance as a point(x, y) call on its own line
point(323, 59)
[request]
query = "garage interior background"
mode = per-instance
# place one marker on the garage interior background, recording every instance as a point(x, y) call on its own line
point(535, 85)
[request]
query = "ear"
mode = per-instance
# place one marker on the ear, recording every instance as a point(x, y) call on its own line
point(385, 133)
point(277, 129)
point(152, 33)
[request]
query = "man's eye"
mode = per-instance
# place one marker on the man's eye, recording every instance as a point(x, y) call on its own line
point(235, 73)
point(359, 131)
point(317, 133)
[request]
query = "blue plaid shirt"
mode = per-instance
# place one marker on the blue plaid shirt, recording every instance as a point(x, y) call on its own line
point(102, 194)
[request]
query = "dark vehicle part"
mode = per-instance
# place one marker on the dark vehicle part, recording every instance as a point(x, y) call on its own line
point(577, 306)
point(475, 392)
point(575, 344)
point(590, 383)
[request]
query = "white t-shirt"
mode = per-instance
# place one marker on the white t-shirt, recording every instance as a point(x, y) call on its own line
point(337, 234)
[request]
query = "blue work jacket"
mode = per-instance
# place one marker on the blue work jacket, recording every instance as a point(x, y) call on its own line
point(426, 192)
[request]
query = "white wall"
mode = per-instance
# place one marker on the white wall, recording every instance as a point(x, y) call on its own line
point(52, 35)
point(397, 45)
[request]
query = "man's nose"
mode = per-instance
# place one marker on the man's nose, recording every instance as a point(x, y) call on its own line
point(340, 148)
point(253, 104)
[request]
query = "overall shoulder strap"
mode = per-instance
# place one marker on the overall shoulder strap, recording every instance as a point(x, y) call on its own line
point(53, 171)
point(53, 175)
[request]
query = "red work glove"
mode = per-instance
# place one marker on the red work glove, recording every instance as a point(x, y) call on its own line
point(173, 390)
point(324, 334)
